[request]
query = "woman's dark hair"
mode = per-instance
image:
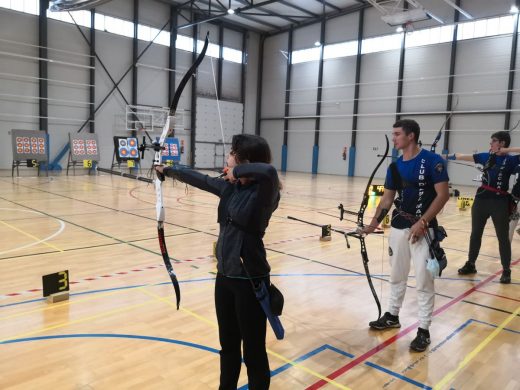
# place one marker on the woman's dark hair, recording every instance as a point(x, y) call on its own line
point(409, 126)
point(252, 148)
point(502, 136)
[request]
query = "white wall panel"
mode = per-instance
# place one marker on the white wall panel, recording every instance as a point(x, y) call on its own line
point(231, 81)
point(300, 143)
point(482, 69)
point(335, 134)
point(426, 71)
point(153, 13)
point(272, 131)
point(370, 141)
point(339, 77)
point(252, 68)
point(379, 82)
point(152, 84)
point(341, 29)
point(273, 80)
point(304, 83)
point(304, 38)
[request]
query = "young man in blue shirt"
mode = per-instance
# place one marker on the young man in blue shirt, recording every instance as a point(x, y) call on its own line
point(420, 180)
point(492, 200)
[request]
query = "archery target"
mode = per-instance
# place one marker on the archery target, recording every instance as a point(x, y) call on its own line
point(78, 147)
point(84, 147)
point(127, 148)
point(171, 150)
point(29, 144)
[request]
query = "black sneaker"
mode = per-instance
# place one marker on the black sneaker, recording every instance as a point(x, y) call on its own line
point(421, 341)
point(386, 321)
point(468, 268)
point(506, 276)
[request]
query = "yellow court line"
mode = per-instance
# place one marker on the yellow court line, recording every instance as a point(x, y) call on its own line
point(270, 352)
point(474, 353)
point(31, 236)
point(63, 324)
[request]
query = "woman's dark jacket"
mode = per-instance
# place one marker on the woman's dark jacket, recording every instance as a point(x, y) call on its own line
point(243, 214)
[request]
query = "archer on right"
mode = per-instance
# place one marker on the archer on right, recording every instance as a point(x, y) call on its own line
point(492, 200)
point(420, 179)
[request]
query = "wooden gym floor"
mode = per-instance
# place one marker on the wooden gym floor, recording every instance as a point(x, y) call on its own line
point(120, 328)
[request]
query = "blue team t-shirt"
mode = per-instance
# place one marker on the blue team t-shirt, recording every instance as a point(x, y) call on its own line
point(418, 177)
point(498, 175)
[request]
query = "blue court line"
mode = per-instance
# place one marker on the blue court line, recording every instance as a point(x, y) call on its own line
point(273, 372)
point(114, 335)
point(109, 289)
point(349, 355)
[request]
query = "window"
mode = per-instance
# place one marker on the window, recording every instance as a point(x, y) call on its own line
point(232, 55)
point(343, 49)
point(305, 55)
point(486, 27)
point(386, 42)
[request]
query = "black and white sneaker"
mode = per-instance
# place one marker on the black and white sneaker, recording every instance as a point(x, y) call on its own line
point(386, 321)
point(421, 341)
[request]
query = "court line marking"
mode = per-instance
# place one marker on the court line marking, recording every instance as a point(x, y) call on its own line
point(269, 351)
point(349, 355)
point(451, 335)
point(115, 335)
point(450, 375)
point(402, 333)
point(38, 240)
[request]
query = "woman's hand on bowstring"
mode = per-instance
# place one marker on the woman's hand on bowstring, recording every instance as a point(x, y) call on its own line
point(227, 175)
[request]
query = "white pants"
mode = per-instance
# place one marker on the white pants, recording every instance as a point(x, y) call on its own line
point(401, 252)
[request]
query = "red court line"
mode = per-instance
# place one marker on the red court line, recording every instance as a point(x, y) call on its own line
point(360, 359)
point(499, 296)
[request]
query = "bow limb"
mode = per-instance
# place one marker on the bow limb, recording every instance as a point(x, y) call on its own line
point(439, 134)
point(361, 236)
point(158, 147)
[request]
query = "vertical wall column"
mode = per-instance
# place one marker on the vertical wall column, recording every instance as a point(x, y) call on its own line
point(259, 83)
point(399, 100)
point(355, 109)
point(287, 99)
point(316, 147)
point(135, 46)
point(451, 81)
point(92, 72)
point(43, 73)
point(193, 98)
point(220, 61)
point(172, 54)
point(243, 69)
point(512, 69)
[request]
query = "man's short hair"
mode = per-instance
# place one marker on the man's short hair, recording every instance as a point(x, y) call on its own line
point(409, 126)
point(502, 136)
